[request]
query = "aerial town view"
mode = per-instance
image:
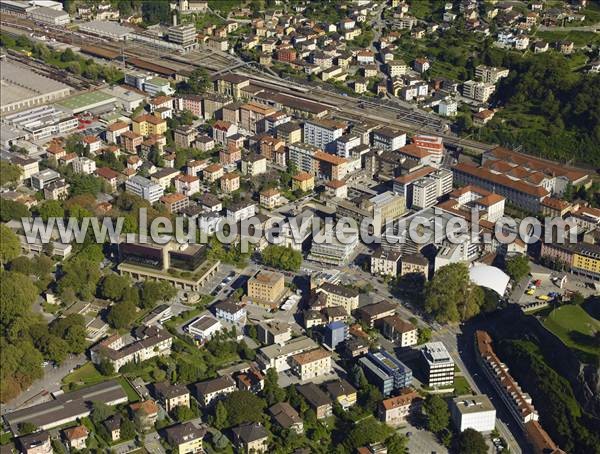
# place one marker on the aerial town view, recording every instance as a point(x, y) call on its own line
point(300, 226)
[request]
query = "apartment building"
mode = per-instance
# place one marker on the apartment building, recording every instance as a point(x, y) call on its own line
point(427, 190)
point(388, 139)
point(277, 356)
point(311, 364)
point(396, 68)
point(342, 392)
point(270, 198)
point(184, 136)
point(267, 287)
point(174, 203)
point(338, 295)
point(212, 173)
point(490, 74)
point(489, 205)
point(186, 438)
point(473, 412)
point(171, 396)
point(316, 399)
point(252, 116)
point(84, 165)
point(150, 342)
point(301, 155)
point(394, 411)
point(385, 262)
point(230, 182)
point(290, 132)
point(439, 365)
point(400, 331)
point(414, 263)
point(146, 125)
point(371, 314)
point(144, 188)
point(164, 177)
point(322, 133)
point(187, 184)
point(303, 181)
point(230, 311)
point(254, 165)
point(479, 91)
point(209, 391)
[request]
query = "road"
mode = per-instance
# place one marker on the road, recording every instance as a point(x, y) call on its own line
point(40, 389)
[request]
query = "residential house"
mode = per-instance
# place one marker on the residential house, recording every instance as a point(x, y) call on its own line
point(394, 411)
point(186, 438)
point(286, 417)
point(316, 399)
point(209, 391)
point(251, 438)
point(171, 396)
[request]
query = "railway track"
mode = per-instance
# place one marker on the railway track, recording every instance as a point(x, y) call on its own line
point(357, 109)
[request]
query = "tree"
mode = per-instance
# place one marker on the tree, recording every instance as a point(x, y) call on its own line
point(367, 431)
point(100, 411)
point(105, 367)
point(471, 442)
point(27, 427)
point(244, 351)
point(113, 286)
point(451, 296)
point(396, 444)
point(10, 246)
point(517, 267)
point(198, 82)
point(9, 173)
point(282, 257)
point(243, 406)
point(436, 412)
point(183, 413)
point(272, 391)
point(12, 210)
point(424, 335)
point(128, 430)
point(81, 275)
point(220, 416)
point(68, 55)
point(152, 292)
point(121, 315)
point(17, 293)
point(51, 209)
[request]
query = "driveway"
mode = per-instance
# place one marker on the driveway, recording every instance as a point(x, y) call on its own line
point(40, 390)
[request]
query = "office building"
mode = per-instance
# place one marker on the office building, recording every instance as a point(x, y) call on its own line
point(439, 365)
point(44, 178)
point(473, 412)
point(185, 35)
point(328, 249)
point(144, 188)
point(385, 371)
point(266, 287)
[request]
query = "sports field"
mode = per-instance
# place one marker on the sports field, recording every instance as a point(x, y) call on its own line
point(83, 101)
point(575, 327)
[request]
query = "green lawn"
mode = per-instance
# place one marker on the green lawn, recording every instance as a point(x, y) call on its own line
point(85, 375)
point(132, 395)
point(575, 327)
point(5, 438)
point(580, 38)
point(461, 386)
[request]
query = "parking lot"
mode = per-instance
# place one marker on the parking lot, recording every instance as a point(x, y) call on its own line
point(421, 441)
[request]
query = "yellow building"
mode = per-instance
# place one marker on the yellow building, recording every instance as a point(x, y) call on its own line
point(266, 287)
point(586, 260)
point(303, 181)
point(146, 125)
point(186, 437)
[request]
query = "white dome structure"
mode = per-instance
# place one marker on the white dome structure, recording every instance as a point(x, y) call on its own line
point(489, 277)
